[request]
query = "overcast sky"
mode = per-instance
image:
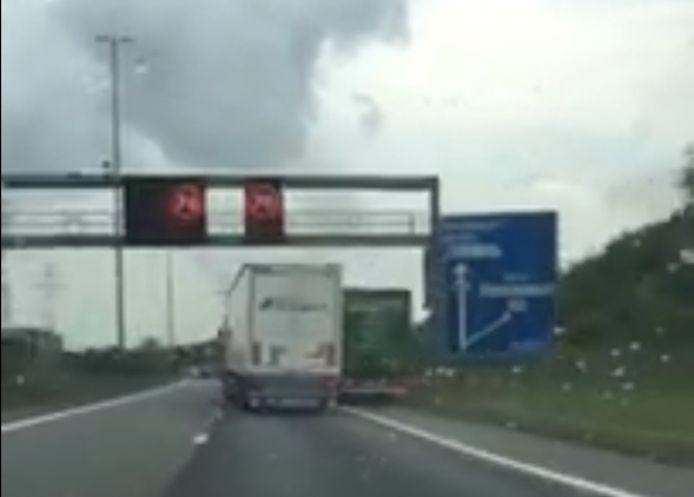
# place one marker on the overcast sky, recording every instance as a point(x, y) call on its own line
point(583, 106)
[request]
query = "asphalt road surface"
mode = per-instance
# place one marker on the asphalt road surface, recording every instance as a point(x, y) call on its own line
point(132, 449)
point(183, 443)
point(337, 455)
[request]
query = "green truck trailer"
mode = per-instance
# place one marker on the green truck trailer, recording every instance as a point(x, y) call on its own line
point(380, 346)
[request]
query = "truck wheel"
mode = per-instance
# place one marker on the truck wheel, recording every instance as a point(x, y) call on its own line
point(230, 396)
point(251, 406)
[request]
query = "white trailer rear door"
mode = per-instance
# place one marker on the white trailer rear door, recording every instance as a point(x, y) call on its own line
point(295, 325)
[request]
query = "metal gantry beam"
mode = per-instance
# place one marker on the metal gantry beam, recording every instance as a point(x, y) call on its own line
point(362, 228)
point(336, 240)
point(411, 236)
point(327, 182)
point(25, 225)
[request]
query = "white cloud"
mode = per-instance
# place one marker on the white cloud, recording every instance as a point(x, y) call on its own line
point(568, 105)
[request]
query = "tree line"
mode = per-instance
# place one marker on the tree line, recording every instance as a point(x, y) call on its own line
point(641, 286)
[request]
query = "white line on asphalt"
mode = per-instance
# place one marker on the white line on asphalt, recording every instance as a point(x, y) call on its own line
point(491, 457)
point(21, 424)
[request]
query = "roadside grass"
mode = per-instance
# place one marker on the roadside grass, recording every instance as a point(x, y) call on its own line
point(632, 403)
point(46, 393)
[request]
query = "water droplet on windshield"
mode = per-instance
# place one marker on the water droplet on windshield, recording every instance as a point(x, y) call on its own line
point(687, 255)
point(141, 67)
point(628, 386)
point(619, 372)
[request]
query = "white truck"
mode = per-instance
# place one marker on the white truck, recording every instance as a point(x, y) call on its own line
point(282, 336)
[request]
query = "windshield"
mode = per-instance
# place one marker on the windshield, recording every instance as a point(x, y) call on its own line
point(347, 247)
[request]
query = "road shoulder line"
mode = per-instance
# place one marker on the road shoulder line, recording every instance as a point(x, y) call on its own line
point(20, 424)
point(494, 458)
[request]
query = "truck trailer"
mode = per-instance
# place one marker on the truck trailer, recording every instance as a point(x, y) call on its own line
point(281, 337)
point(380, 349)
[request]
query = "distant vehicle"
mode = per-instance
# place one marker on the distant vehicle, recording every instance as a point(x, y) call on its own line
point(282, 336)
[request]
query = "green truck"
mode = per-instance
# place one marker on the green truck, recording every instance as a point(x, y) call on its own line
point(380, 346)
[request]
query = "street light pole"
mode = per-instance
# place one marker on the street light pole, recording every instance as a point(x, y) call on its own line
point(50, 285)
point(7, 304)
point(170, 301)
point(114, 43)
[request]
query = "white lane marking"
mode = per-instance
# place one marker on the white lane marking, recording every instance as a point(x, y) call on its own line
point(21, 424)
point(201, 438)
point(491, 457)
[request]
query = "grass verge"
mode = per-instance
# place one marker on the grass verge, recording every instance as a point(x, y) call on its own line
point(647, 413)
point(41, 395)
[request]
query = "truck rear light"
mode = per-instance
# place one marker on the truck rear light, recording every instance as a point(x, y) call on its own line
point(256, 353)
point(330, 383)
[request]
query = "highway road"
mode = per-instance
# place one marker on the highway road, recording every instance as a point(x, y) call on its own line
point(337, 455)
point(133, 448)
point(181, 442)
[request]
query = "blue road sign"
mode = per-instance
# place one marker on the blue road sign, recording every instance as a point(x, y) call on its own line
point(498, 274)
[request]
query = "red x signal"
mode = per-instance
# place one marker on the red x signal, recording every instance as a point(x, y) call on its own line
point(186, 203)
point(264, 209)
point(165, 211)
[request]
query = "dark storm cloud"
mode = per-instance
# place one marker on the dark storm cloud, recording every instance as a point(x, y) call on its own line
point(213, 83)
point(49, 117)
